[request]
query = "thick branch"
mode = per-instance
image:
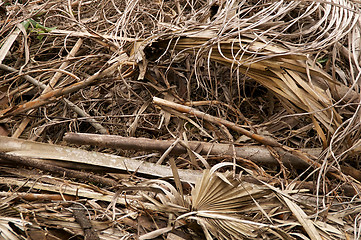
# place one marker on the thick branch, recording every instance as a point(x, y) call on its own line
point(258, 154)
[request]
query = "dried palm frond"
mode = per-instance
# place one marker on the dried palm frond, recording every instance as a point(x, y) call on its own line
point(219, 200)
point(6, 232)
point(270, 42)
point(228, 208)
point(297, 84)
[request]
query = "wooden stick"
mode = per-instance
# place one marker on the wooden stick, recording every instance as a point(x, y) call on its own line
point(193, 112)
point(53, 81)
point(258, 154)
point(261, 139)
point(38, 196)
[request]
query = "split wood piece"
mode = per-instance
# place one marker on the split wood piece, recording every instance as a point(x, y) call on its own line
point(259, 138)
point(20, 147)
point(25, 161)
point(258, 154)
point(25, 148)
point(55, 94)
point(79, 157)
point(71, 105)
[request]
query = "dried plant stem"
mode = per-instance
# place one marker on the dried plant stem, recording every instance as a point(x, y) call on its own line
point(261, 139)
point(22, 126)
point(54, 95)
point(38, 197)
point(219, 121)
point(57, 75)
point(74, 107)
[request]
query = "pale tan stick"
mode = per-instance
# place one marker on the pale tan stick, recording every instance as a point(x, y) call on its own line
point(57, 75)
point(20, 129)
point(50, 85)
point(219, 121)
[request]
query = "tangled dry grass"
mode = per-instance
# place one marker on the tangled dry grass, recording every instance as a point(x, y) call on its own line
point(180, 119)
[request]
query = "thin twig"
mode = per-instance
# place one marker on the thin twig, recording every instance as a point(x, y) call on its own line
point(71, 105)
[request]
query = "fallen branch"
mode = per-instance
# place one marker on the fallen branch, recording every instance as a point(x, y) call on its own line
point(258, 154)
point(219, 121)
point(38, 196)
point(268, 141)
point(21, 147)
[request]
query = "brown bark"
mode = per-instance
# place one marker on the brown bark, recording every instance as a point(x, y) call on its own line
point(80, 215)
point(258, 154)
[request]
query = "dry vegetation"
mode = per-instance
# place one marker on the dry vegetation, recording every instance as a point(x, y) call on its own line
point(196, 119)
